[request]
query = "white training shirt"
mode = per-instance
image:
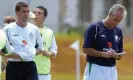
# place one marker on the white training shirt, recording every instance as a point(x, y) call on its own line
point(17, 36)
point(53, 46)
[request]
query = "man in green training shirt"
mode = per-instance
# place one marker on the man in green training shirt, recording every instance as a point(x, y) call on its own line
point(50, 48)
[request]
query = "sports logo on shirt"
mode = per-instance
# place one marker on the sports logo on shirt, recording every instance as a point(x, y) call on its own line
point(106, 49)
point(31, 35)
point(15, 35)
point(109, 44)
point(116, 38)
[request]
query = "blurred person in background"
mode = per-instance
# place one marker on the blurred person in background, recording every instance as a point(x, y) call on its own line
point(22, 36)
point(50, 48)
point(103, 45)
point(7, 20)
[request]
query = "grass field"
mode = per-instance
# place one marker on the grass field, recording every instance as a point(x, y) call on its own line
point(63, 66)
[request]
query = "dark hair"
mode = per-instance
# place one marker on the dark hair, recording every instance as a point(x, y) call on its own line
point(19, 5)
point(44, 10)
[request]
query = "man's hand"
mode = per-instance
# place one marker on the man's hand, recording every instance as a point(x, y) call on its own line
point(45, 53)
point(120, 55)
point(115, 54)
point(38, 51)
point(11, 55)
point(109, 54)
point(112, 54)
point(48, 53)
point(2, 54)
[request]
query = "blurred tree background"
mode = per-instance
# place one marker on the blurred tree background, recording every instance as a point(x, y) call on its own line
point(69, 20)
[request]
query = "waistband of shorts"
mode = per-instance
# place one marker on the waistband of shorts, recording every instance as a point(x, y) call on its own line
point(20, 61)
point(44, 74)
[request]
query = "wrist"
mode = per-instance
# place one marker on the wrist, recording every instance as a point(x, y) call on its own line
point(47, 54)
point(2, 54)
point(103, 54)
point(5, 55)
point(118, 57)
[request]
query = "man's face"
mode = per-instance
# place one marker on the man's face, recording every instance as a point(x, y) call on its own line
point(23, 14)
point(39, 15)
point(114, 19)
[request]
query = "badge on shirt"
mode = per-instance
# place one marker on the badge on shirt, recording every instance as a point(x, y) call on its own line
point(109, 44)
point(24, 42)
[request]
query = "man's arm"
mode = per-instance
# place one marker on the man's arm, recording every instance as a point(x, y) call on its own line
point(8, 51)
point(120, 46)
point(89, 39)
point(11, 55)
point(93, 52)
point(53, 49)
point(38, 51)
point(48, 53)
point(39, 43)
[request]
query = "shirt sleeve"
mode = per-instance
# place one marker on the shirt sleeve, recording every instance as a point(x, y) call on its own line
point(53, 46)
point(89, 36)
point(8, 48)
point(120, 46)
point(39, 40)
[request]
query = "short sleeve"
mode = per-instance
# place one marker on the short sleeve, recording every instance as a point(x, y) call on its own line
point(120, 46)
point(89, 36)
point(53, 46)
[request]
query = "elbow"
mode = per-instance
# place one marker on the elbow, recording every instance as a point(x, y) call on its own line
point(84, 51)
point(87, 51)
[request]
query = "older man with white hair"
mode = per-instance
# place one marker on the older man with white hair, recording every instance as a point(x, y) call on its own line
point(103, 45)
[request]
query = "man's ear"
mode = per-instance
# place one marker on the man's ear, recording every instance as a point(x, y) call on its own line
point(45, 17)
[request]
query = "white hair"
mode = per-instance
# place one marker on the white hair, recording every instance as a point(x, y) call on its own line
point(118, 7)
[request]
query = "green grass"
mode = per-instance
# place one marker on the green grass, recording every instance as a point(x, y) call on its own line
point(64, 76)
point(70, 76)
point(66, 71)
point(126, 77)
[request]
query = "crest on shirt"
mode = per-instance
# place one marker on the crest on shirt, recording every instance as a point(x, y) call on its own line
point(116, 38)
point(24, 42)
point(31, 35)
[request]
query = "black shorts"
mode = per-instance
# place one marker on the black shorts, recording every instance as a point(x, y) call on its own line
point(21, 70)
